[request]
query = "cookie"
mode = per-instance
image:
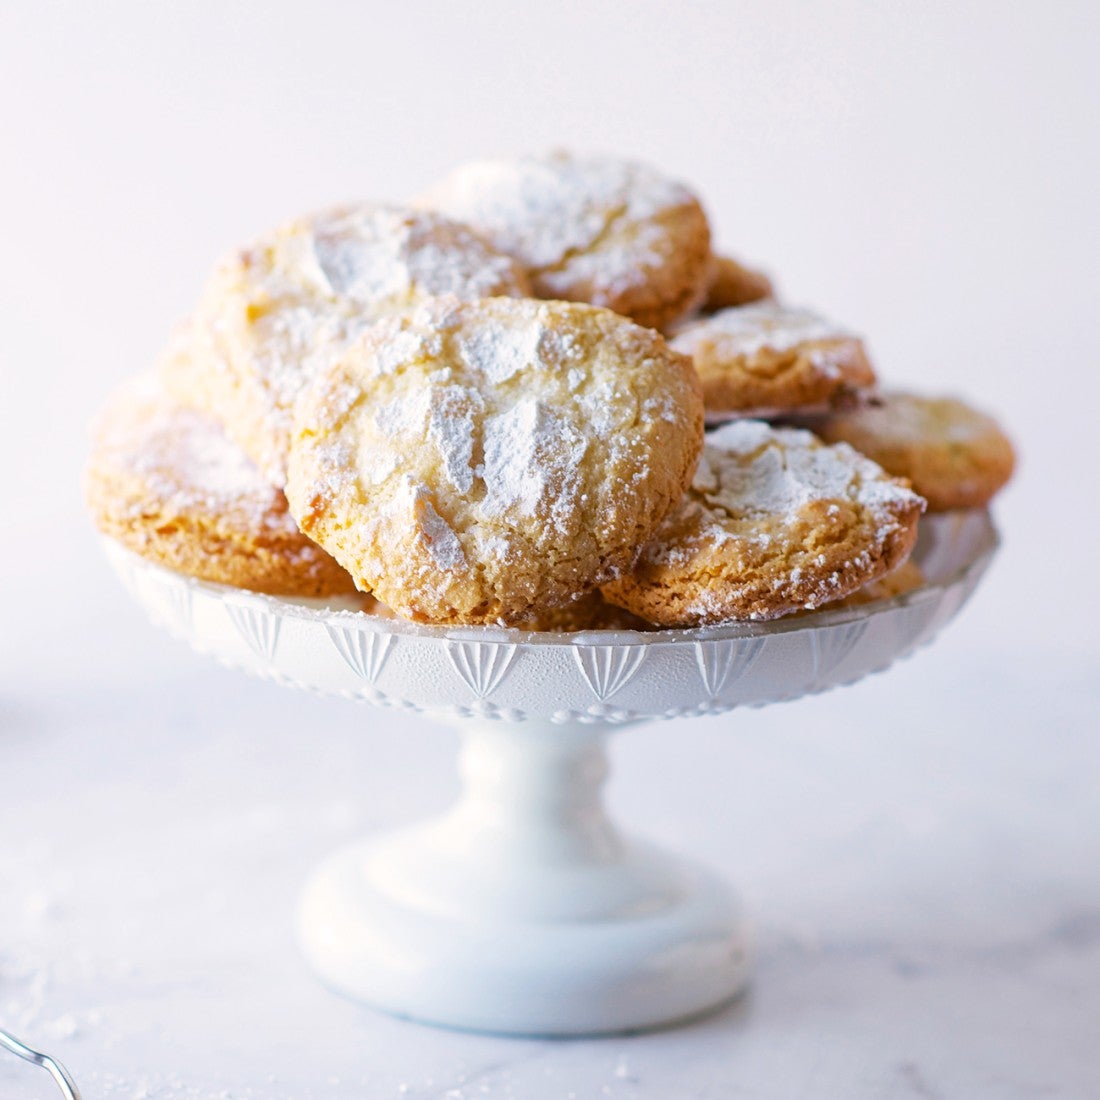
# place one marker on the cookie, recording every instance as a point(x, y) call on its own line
point(767, 359)
point(481, 462)
point(273, 312)
point(733, 284)
point(609, 232)
point(955, 456)
point(590, 612)
point(906, 578)
point(167, 483)
point(774, 521)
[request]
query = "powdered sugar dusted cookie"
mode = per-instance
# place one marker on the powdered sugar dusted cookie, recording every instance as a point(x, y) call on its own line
point(766, 359)
point(906, 578)
point(611, 232)
point(590, 612)
point(733, 283)
point(167, 483)
point(482, 462)
point(955, 456)
point(774, 521)
point(274, 311)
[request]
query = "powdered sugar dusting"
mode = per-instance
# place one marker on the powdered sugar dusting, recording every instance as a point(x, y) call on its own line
point(749, 468)
point(441, 539)
point(914, 419)
point(404, 416)
point(614, 268)
point(526, 443)
point(451, 429)
point(184, 459)
point(544, 209)
point(500, 353)
point(527, 455)
point(532, 455)
point(401, 348)
point(440, 415)
point(277, 312)
point(370, 253)
point(745, 330)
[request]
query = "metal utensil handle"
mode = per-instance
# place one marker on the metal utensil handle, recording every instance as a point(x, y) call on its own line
point(55, 1069)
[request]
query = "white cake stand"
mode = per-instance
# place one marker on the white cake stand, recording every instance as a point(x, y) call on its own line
point(524, 909)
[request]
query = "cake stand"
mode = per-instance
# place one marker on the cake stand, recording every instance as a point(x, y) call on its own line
point(524, 909)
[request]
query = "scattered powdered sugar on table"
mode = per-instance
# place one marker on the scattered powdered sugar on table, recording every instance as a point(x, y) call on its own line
point(745, 330)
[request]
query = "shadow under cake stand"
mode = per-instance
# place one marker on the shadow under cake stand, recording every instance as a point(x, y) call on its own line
point(524, 909)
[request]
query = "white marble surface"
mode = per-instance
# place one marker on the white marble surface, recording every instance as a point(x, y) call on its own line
point(922, 851)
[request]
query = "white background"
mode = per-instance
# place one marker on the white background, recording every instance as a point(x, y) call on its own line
point(923, 850)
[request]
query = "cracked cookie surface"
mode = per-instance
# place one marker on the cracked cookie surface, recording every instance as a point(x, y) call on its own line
point(483, 462)
point(955, 456)
point(767, 359)
point(608, 232)
point(273, 312)
point(774, 521)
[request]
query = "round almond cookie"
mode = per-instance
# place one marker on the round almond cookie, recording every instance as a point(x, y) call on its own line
point(767, 359)
point(774, 521)
point(732, 283)
point(167, 483)
point(590, 612)
point(609, 232)
point(481, 462)
point(955, 456)
point(273, 312)
point(906, 578)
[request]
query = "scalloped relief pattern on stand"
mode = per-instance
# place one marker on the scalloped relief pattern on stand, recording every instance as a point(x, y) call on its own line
point(176, 606)
point(725, 662)
point(482, 665)
point(364, 652)
point(258, 628)
point(607, 669)
point(829, 648)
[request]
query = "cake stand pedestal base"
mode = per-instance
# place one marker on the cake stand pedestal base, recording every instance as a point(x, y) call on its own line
point(523, 910)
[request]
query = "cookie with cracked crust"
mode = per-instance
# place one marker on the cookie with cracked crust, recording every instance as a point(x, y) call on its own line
point(167, 483)
point(590, 612)
point(481, 462)
point(768, 359)
point(908, 577)
point(609, 232)
point(274, 311)
point(774, 521)
point(733, 283)
point(955, 456)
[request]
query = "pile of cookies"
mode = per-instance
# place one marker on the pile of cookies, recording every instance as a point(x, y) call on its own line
point(490, 406)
